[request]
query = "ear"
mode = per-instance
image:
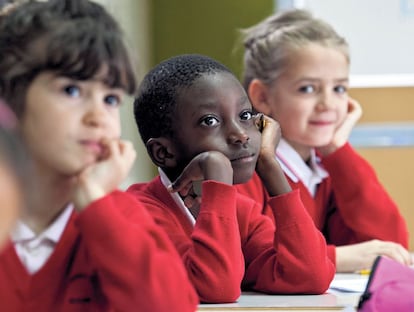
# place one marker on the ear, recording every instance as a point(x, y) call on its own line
point(259, 96)
point(161, 152)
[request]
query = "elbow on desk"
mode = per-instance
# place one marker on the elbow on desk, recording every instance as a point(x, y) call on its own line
point(220, 295)
point(315, 283)
point(314, 289)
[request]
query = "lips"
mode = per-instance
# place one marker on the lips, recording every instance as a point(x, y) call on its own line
point(321, 123)
point(243, 158)
point(93, 146)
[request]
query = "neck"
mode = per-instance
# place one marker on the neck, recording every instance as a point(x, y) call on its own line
point(49, 195)
point(302, 150)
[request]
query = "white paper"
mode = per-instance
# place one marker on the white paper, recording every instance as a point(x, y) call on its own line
point(349, 285)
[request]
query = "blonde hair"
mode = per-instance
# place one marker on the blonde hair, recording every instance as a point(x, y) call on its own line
point(269, 43)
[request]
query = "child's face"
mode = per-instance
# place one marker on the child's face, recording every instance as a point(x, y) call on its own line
point(65, 122)
point(309, 99)
point(10, 200)
point(215, 114)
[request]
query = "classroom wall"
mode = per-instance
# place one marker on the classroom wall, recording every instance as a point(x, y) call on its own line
point(206, 27)
point(394, 165)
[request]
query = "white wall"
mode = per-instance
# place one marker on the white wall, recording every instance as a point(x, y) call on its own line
point(380, 34)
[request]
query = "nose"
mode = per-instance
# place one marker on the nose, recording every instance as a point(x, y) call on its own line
point(238, 134)
point(325, 100)
point(95, 114)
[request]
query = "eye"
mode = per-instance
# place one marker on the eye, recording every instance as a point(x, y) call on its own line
point(72, 90)
point(340, 89)
point(246, 115)
point(307, 89)
point(209, 121)
point(112, 100)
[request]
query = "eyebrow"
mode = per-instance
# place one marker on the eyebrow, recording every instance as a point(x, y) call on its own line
point(213, 105)
point(342, 80)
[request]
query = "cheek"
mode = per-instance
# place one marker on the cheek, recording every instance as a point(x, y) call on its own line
point(255, 137)
point(289, 109)
point(342, 113)
point(114, 128)
point(292, 116)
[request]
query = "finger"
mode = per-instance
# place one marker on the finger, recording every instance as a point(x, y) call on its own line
point(395, 251)
point(405, 254)
point(354, 104)
point(259, 121)
point(180, 185)
point(127, 151)
point(110, 148)
point(355, 108)
point(189, 201)
point(184, 181)
point(186, 190)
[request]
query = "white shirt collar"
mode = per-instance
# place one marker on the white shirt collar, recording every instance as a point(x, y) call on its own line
point(52, 233)
point(34, 250)
point(296, 168)
point(180, 203)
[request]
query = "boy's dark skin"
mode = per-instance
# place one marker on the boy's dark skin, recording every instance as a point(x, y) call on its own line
point(216, 137)
point(198, 125)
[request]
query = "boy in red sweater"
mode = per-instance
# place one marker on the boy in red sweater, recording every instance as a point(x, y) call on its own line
point(197, 123)
point(80, 245)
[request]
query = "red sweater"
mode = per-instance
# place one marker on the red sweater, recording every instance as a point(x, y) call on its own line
point(350, 206)
point(234, 245)
point(111, 257)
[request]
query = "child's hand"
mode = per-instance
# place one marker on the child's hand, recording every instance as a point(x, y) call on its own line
point(271, 134)
point(361, 256)
point(267, 166)
point(343, 131)
point(205, 166)
point(105, 175)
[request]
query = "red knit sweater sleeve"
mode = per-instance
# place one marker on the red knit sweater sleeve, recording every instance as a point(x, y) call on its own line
point(363, 205)
point(137, 266)
point(290, 259)
point(211, 250)
point(256, 191)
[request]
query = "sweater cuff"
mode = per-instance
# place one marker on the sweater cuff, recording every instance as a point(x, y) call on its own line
point(339, 156)
point(331, 250)
point(287, 207)
point(220, 198)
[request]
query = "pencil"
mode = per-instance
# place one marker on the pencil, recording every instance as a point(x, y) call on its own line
point(364, 272)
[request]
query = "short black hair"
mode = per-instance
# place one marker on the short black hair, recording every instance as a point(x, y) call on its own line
point(158, 92)
point(72, 38)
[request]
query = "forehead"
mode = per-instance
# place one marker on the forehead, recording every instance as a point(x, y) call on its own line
point(214, 90)
point(318, 60)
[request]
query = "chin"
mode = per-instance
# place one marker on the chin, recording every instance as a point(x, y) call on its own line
point(242, 177)
point(319, 142)
point(77, 168)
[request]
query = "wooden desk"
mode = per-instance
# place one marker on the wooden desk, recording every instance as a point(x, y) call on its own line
point(331, 301)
